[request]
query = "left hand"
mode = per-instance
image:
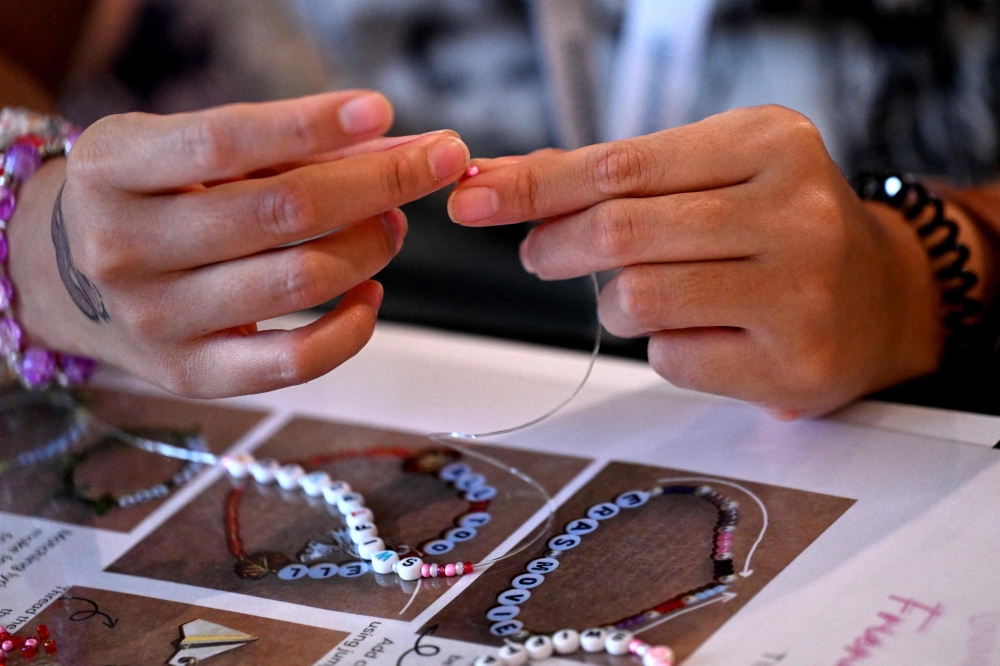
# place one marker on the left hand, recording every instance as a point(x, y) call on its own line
point(745, 255)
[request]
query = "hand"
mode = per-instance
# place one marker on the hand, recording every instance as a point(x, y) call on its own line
point(174, 235)
point(745, 256)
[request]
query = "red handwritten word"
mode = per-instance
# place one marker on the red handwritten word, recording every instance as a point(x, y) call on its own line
point(863, 646)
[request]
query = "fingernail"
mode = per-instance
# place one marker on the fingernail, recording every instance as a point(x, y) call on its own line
point(448, 157)
point(526, 257)
point(395, 220)
point(473, 204)
point(366, 113)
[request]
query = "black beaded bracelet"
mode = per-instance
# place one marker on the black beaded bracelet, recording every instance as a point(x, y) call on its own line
point(904, 193)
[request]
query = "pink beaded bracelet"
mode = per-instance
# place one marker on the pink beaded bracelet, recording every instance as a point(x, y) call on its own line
point(26, 141)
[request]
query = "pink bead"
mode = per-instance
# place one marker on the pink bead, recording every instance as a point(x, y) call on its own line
point(472, 171)
point(449, 570)
point(635, 645)
point(7, 646)
point(31, 642)
point(425, 570)
point(658, 655)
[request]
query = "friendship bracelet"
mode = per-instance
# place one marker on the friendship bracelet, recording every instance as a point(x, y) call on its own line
point(27, 140)
point(905, 194)
point(358, 519)
point(615, 638)
point(107, 502)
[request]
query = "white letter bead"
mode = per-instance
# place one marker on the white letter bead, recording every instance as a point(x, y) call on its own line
point(506, 628)
point(238, 466)
point(409, 568)
point(369, 547)
point(543, 565)
point(513, 655)
point(564, 542)
point(527, 581)
point(350, 502)
point(313, 484)
point(566, 641)
point(487, 660)
point(263, 470)
point(293, 571)
point(513, 597)
point(323, 570)
point(469, 481)
point(617, 642)
point(384, 561)
point(353, 569)
point(539, 647)
point(581, 526)
point(335, 491)
point(362, 531)
point(500, 613)
point(288, 476)
point(453, 471)
point(438, 547)
point(460, 534)
point(632, 499)
point(363, 515)
point(481, 494)
point(592, 640)
point(474, 519)
point(603, 511)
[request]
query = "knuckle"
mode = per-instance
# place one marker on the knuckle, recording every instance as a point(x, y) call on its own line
point(621, 166)
point(400, 178)
point(675, 363)
point(285, 210)
point(177, 374)
point(207, 143)
point(302, 286)
point(637, 302)
point(617, 229)
point(527, 190)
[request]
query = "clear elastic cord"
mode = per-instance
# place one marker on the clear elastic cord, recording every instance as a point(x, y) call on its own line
point(451, 439)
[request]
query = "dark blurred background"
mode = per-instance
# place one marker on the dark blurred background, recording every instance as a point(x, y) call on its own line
point(906, 84)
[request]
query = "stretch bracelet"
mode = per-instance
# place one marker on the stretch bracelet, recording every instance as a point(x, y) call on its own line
point(616, 638)
point(317, 561)
point(26, 141)
point(905, 194)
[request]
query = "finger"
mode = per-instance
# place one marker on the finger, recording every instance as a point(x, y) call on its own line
point(719, 151)
point(148, 153)
point(271, 284)
point(235, 364)
point(243, 218)
point(722, 361)
point(698, 226)
point(644, 299)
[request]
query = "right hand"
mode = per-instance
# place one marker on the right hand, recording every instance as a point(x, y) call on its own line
point(179, 230)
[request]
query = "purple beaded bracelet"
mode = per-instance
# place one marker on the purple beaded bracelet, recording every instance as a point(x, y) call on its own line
point(26, 141)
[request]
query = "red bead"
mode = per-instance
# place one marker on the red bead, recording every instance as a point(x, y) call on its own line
point(32, 140)
point(29, 651)
point(43, 631)
point(669, 606)
point(18, 642)
point(468, 568)
point(50, 646)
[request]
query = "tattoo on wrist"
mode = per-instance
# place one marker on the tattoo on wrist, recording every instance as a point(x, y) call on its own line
point(84, 293)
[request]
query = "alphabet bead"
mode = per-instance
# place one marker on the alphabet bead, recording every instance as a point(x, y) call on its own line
point(564, 542)
point(514, 597)
point(469, 481)
point(350, 502)
point(353, 569)
point(592, 640)
point(335, 492)
point(288, 476)
point(603, 511)
point(438, 547)
point(460, 534)
point(499, 613)
point(527, 581)
point(539, 647)
point(487, 660)
point(632, 499)
point(506, 628)
point(617, 642)
point(323, 570)
point(384, 561)
point(454, 471)
point(313, 484)
point(481, 493)
point(263, 471)
point(362, 531)
point(370, 546)
point(474, 520)
point(363, 515)
point(566, 641)
point(409, 568)
point(513, 655)
point(293, 572)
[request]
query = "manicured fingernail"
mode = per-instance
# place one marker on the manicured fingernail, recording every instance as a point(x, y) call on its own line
point(526, 257)
point(448, 157)
point(366, 113)
point(396, 221)
point(473, 204)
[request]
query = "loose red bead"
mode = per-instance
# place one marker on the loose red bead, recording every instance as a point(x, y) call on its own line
point(18, 642)
point(50, 646)
point(43, 631)
point(29, 651)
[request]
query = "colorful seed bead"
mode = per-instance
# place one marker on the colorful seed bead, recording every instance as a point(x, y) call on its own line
point(425, 570)
point(459, 568)
point(50, 646)
point(43, 632)
point(468, 568)
point(449, 570)
point(638, 647)
point(659, 655)
point(7, 645)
